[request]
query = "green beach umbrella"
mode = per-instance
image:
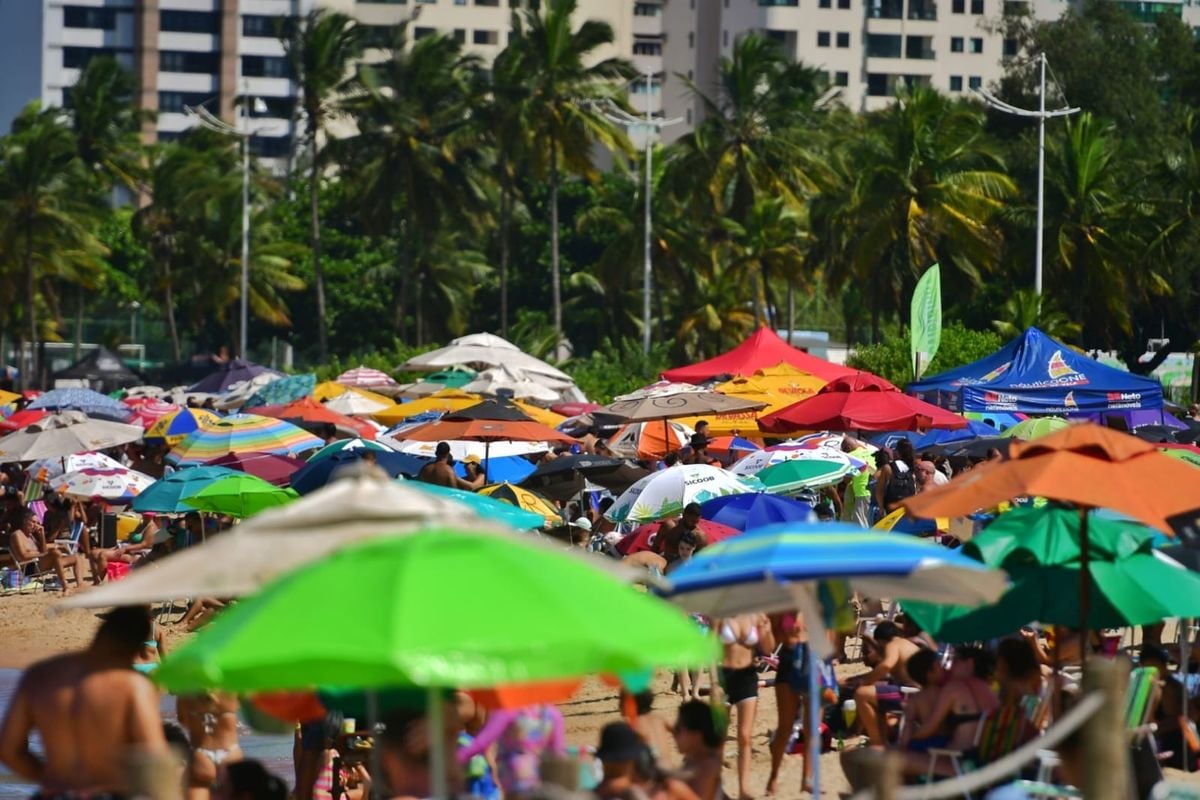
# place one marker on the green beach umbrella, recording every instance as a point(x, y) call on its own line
point(805, 473)
point(239, 495)
point(1131, 584)
point(1035, 427)
point(165, 496)
point(1183, 454)
point(440, 607)
point(485, 506)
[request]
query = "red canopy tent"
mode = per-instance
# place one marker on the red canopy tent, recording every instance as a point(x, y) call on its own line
point(861, 401)
point(763, 349)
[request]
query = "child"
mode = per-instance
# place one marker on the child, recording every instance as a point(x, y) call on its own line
point(480, 780)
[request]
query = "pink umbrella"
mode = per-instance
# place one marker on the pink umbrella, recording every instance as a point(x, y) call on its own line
point(268, 466)
point(646, 537)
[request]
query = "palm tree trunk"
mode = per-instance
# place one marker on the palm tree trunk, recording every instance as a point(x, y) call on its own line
point(555, 277)
point(505, 214)
point(314, 191)
point(28, 379)
point(172, 327)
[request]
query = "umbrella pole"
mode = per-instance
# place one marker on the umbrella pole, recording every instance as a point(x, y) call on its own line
point(1185, 657)
point(814, 721)
point(436, 723)
point(377, 745)
point(1085, 588)
point(487, 456)
point(666, 437)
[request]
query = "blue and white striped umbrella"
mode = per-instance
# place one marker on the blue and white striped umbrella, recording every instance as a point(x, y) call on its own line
point(91, 403)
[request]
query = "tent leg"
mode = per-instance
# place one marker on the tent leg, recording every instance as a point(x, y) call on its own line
point(813, 731)
point(1085, 587)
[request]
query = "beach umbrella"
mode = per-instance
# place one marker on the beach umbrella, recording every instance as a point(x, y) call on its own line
point(343, 445)
point(861, 401)
point(94, 404)
point(483, 350)
point(309, 414)
point(806, 473)
point(113, 485)
point(786, 567)
point(1041, 550)
point(776, 387)
point(243, 433)
point(645, 537)
point(274, 469)
point(666, 492)
point(564, 477)
point(226, 375)
point(318, 472)
point(745, 511)
point(975, 448)
point(522, 498)
point(328, 390)
point(511, 382)
point(48, 468)
point(574, 409)
point(755, 463)
point(8, 398)
point(1187, 453)
point(732, 444)
point(650, 440)
point(63, 434)
point(466, 450)
point(892, 438)
point(239, 495)
point(1035, 428)
point(366, 378)
point(504, 469)
point(19, 419)
point(665, 401)
point(356, 404)
point(248, 556)
point(147, 410)
point(485, 507)
point(282, 391)
point(973, 430)
point(165, 496)
point(485, 431)
point(174, 428)
point(515, 597)
point(442, 402)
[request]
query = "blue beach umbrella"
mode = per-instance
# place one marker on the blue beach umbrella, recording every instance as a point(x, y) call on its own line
point(892, 438)
point(319, 471)
point(974, 430)
point(91, 403)
point(799, 565)
point(350, 445)
point(283, 390)
point(502, 469)
point(755, 510)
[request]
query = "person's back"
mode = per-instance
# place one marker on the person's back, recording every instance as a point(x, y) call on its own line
point(90, 710)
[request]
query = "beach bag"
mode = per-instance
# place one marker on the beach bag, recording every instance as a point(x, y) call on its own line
point(117, 570)
point(901, 485)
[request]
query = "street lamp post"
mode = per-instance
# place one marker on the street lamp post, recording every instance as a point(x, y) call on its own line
point(1041, 115)
point(653, 127)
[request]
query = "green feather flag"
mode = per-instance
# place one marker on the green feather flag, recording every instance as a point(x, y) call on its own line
point(926, 319)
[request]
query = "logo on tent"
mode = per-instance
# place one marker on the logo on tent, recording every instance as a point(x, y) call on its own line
point(1060, 369)
point(1124, 399)
point(1069, 401)
point(996, 373)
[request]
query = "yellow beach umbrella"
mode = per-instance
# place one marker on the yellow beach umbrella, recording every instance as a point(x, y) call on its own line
point(442, 402)
point(778, 386)
point(178, 425)
point(522, 498)
point(327, 390)
point(537, 414)
point(8, 397)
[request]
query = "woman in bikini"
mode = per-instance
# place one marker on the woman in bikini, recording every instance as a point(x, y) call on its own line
point(699, 737)
point(741, 638)
point(130, 551)
point(963, 702)
point(791, 686)
point(211, 723)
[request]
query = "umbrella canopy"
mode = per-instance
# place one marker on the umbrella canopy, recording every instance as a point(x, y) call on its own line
point(1188, 454)
point(116, 486)
point(239, 495)
point(562, 478)
point(327, 390)
point(522, 498)
point(356, 404)
point(366, 378)
point(505, 469)
point(776, 387)
point(318, 472)
point(1036, 427)
point(19, 419)
point(755, 463)
point(174, 428)
point(483, 430)
point(650, 440)
point(49, 468)
point(501, 410)
point(244, 559)
point(64, 434)
point(746, 511)
point(732, 444)
point(274, 469)
point(665, 493)
point(513, 382)
point(467, 450)
point(233, 371)
point(1041, 549)
point(976, 448)
point(93, 404)
point(823, 469)
point(443, 401)
point(892, 438)
point(861, 401)
point(486, 507)
point(1085, 464)
point(483, 350)
point(645, 537)
point(165, 496)
point(147, 410)
point(309, 414)
point(243, 433)
point(671, 400)
point(516, 598)
point(973, 430)
point(283, 390)
point(343, 445)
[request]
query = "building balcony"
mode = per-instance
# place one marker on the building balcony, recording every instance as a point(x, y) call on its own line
point(885, 9)
point(922, 11)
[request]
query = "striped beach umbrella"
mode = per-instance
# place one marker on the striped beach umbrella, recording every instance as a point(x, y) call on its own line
point(173, 428)
point(243, 433)
point(367, 378)
point(147, 410)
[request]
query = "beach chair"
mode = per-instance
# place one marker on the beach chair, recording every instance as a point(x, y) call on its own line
point(1141, 698)
point(998, 734)
point(29, 577)
point(70, 544)
point(1164, 790)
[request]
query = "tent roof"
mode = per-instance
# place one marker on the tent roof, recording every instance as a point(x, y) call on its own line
point(1036, 374)
point(763, 349)
point(101, 364)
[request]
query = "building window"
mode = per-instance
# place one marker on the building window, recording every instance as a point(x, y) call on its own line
point(975, 82)
point(421, 33)
point(976, 44)
point(382, 36)
point(841, 79)
point(824, 4)
point(78, 57)
point(190, 21)
point(691, 40)
point(958, 6)
point(104, 19)
point(956, 44)
point(976, 6)
point(878, 84)
point(460, 35)
point(843, 4)
point(883, 45)
point(822, 38)
point(725, 38)
point(647, 10)
point(274, 107)
point(270, 146)
point(384, 2)
point(689, 116)
point(184, 61)
point(956, 83)
point(1010, 47)
point(173, 102)
point(647, 48)
point(265, 67)
point(486, 37)
point(843, 39)
point(265, 26)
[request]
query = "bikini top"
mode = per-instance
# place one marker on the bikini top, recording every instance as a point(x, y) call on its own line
point(729, 635)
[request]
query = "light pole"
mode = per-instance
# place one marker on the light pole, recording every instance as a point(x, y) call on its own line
point(1041, 115)
point(653, 127)
point(133, 309)
point(244, 133)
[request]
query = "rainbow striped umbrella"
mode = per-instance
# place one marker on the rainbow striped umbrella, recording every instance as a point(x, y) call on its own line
point(243, 433)
point(175, 427)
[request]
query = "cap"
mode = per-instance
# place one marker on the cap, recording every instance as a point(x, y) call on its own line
point(619, 742)
point(583, 523)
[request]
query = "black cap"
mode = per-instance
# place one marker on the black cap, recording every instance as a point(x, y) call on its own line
point(619, 742)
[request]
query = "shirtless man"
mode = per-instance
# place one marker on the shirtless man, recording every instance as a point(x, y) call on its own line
point(441, 472)
point(91, 711)
point(880, 689)
point(28, 543)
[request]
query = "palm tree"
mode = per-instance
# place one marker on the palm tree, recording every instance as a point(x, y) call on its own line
point(562, 94)
point(771, 242)
point(1026, 309)
point(45, 207)
point(106, 122)
point(320, 51)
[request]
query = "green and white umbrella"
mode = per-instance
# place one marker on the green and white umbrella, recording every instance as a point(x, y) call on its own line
point(821, 468)
point(665, 493)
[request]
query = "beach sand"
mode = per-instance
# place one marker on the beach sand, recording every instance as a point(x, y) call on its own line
point(28, 632)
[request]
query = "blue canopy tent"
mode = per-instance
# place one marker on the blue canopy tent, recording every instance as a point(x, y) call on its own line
point(1035, 374)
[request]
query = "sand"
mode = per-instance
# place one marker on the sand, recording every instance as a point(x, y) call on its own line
point(29, 631)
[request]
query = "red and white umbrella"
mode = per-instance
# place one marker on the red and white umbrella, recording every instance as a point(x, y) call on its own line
point(367, 378)
point(118, 486)
point(147, 411)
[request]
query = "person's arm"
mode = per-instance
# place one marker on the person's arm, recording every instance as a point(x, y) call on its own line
point(678, 790)
point(20, 547)
point(145, 724)
point(492, 729)
point(883, 670)
point(14, 739)
point(469, 485)
point(766, 635)
point(933, 723)
point(882, 476)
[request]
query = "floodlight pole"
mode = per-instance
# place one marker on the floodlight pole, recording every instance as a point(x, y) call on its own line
point(1041, 115)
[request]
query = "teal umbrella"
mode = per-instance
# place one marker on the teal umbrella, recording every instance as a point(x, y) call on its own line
point(486, 507)
point(284, 390)
point(165, 496)
point(350, 444)
point(451, 378)
point(1130, 583)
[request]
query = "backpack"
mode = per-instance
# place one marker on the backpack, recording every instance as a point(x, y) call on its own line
point(901, 485)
